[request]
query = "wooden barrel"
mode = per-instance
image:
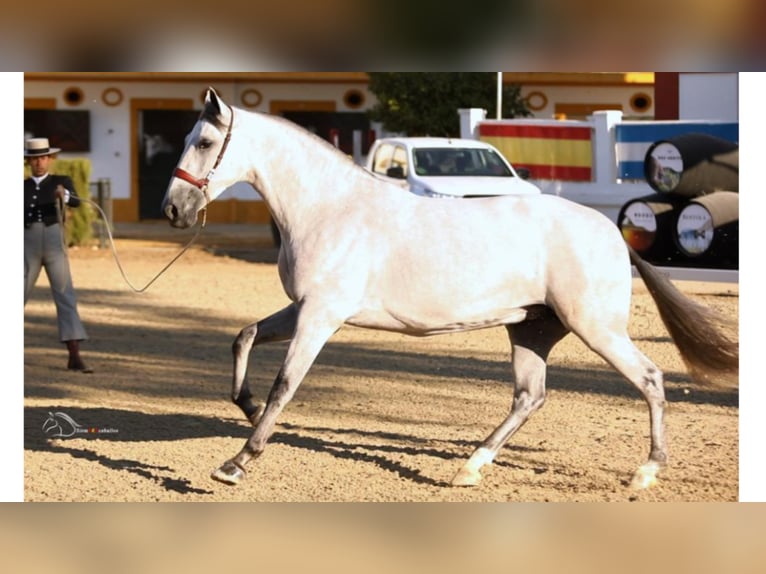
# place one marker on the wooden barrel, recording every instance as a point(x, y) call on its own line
point(707, 230)
point(648, 224)
point(692, 164)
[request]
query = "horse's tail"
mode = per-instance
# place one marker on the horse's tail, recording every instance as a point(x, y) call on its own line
point(700, 334)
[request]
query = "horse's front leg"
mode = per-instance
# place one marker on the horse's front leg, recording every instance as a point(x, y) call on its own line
point(312, 330)
point(277, 327)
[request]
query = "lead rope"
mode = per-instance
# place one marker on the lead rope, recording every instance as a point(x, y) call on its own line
point(182, 174)
point(60, 218)
point(117, 258)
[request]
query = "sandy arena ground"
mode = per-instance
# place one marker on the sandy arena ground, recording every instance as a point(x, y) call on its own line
point(380, 417)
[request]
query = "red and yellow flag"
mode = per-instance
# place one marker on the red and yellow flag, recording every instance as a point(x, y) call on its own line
point(548, 152)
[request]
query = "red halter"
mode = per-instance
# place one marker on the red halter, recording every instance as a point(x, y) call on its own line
point(202, 183)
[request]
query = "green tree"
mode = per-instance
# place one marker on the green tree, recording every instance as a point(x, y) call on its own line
point(426, 103)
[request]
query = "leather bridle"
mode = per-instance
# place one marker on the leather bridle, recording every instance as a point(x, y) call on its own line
point(202, 183)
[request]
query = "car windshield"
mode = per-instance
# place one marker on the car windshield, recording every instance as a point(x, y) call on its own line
point(459, 162)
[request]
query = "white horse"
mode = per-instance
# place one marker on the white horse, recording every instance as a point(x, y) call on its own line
point(155, 144)
point(357, 250)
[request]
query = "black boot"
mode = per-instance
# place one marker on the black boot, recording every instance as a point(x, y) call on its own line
point(75, 361)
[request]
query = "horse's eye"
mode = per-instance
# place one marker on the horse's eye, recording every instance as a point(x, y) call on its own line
point(204, 144)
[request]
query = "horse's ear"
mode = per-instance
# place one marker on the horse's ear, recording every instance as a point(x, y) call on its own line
point(212, 100)
point(215, 108)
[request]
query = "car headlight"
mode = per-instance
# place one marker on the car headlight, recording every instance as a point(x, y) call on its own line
point(430, 193)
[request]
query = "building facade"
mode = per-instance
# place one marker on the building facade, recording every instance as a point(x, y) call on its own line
point(131, 125)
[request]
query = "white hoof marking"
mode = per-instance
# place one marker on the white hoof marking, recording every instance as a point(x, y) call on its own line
point(469, 475)
point(645, 477)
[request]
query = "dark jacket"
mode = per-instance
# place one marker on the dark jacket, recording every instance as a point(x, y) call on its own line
point(40, 202)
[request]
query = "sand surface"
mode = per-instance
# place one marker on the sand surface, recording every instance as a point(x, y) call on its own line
point(380, 416)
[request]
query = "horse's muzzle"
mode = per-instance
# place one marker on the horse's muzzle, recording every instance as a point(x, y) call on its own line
point(177, 217)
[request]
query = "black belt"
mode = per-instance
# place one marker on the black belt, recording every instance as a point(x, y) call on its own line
point(28, 224)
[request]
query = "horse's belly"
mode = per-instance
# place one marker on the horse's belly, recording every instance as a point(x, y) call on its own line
point(436, 323)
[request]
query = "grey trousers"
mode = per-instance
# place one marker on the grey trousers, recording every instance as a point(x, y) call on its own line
point(43, 247)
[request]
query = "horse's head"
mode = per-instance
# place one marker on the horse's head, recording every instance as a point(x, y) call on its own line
point(203, 171)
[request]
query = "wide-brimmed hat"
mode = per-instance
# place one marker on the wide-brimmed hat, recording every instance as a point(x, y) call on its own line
point(35, 147)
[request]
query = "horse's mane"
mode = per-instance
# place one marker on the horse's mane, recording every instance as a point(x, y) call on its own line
point(210, 115)
point(300, 129)
point(328, 147)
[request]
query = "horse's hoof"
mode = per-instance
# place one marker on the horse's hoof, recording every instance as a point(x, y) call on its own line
point(469, 474)
point(465, 477)
point(645, 477)
point(229, 473)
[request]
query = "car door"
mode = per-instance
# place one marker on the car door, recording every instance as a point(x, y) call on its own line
point(389, 161)
point(381, 160)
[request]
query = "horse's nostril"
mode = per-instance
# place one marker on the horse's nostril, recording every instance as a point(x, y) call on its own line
point(171, 212)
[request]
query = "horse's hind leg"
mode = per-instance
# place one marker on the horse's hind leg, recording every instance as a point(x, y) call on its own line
point(277, 327)
point(532, 341)
point(623, 355)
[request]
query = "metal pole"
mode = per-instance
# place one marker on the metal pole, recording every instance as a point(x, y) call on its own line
point(106, 184)
point(104, 197)
point(499, 95)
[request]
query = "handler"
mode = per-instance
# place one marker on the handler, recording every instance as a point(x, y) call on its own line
point(45, 196)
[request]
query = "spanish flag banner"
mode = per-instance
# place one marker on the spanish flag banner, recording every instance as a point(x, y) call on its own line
point(557, 152)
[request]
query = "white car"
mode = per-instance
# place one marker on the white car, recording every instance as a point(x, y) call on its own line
point(447, 167)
